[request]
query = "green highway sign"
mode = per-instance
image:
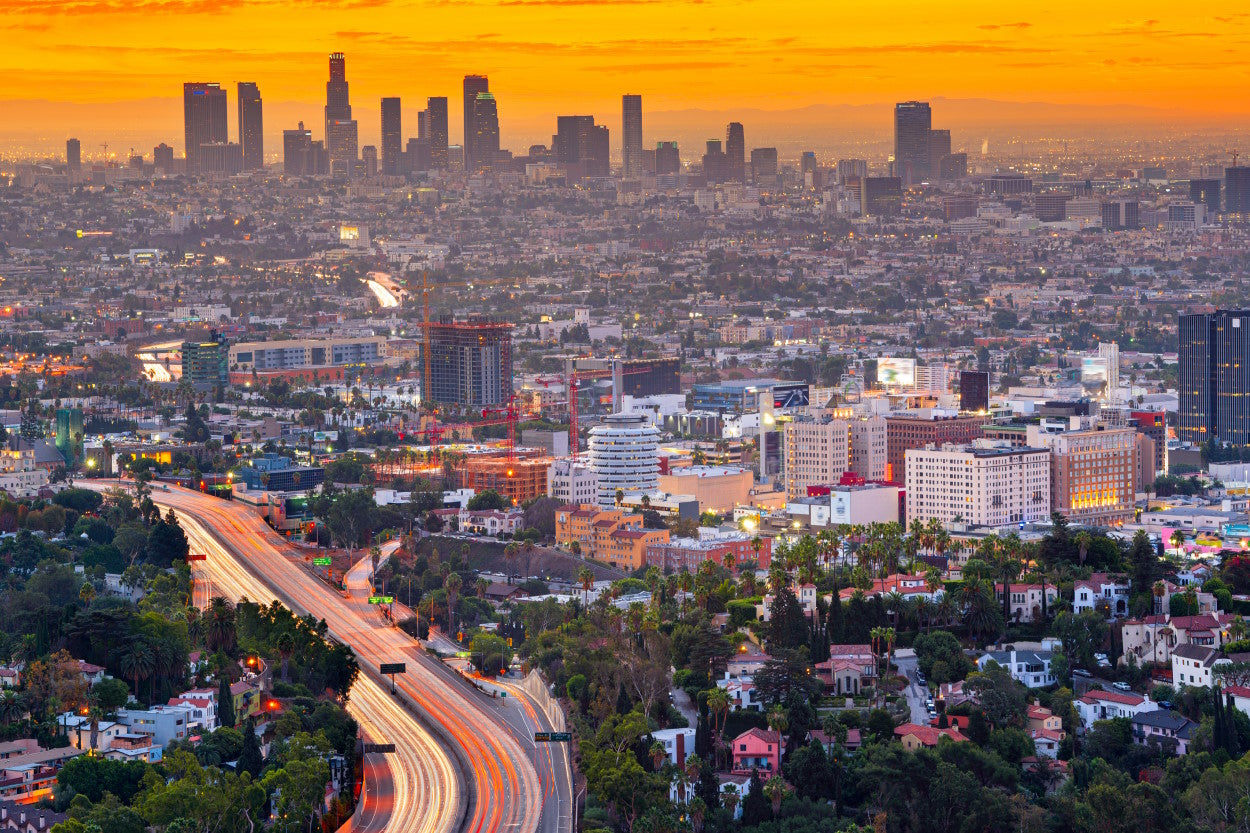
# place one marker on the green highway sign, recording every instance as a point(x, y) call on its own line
point(552, 737)
point(393, 668)
point(323, 561)
point(379, 747)
point(381, 600)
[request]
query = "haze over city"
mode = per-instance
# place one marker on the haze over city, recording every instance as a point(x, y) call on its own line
point(624, 416)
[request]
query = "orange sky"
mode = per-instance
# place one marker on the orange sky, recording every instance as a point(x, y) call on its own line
point(549, 56)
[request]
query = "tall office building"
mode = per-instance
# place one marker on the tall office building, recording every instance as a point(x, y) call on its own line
point(1206, 192)
point(297, 152)
point(474, 85)
point(1237, 189)
point(251, 126)
point(764, 167)
point(69, 434)
point(73, 154)
point(715, 163)
point(1214, 378)
point(436, 130)
point(667, 159)
point(581, 146)
point(342, 138)
point(974, 390)
point(204, 119)
point(913, 123)
point(939, 149)
point(369, 158)
point(392, 137)
point(485, 133)
point(736, 152)
point(206, 363)
point(163, 158)
point(623, 455)
point(631, 136)
point(470, 362)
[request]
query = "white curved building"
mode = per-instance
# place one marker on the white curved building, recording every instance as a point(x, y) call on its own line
point(623, 455)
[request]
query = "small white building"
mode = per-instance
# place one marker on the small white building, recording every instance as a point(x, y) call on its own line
point(1098, 705)
point(1194, 665)
point(1029, 667)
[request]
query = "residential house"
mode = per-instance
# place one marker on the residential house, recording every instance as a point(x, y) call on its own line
point(758, 749)
point(848, 669)
point(1102, 591)
point(854, 740)
point(1026, 600)
point(743, 695)
point(1029, 667)
point(25, 818)
point(1153, 638)
point(133, 747)
point(1046, 742)
point(741, 784)
point(1164, 728)
point(160, 723)
point(907, 586)
point(914, 736)
point(1097, 704)
point(1194, 665)
point(77, 727)
point(677, 743)
point(745, 665)
point(10, 677)
point(1041, 718)
point(954, 694)
point(491, 521)
point(28, 771)
point(90, 673)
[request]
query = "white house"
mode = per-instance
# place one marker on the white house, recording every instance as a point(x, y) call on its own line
point(1029, 667)
point(1097, 705)
point(1194, 665)
point(677, 743)
point(1113, 591)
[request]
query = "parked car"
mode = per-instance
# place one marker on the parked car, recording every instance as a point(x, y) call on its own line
point(1081, 672)
point(1121, 686)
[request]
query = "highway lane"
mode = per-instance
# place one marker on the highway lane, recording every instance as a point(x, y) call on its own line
point(406, 792)
point(504, 786)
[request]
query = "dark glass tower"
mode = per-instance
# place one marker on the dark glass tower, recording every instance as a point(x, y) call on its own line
point(1237, 189)
point(913, 123)
point(474, 85)
point(631, 136)
point(251, 126)
point(485, 132)
point(436, 129)
point(736, 152)
point(204, 119)
point(1214, 378)
point(392, 137)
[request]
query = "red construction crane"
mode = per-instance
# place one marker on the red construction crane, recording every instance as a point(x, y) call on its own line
point(573, 382)
point(510, 413)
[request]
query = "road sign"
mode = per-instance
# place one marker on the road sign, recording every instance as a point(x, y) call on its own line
point(552, 737)
point(197, 556)
point(381, 600)
point(394, 668)
point(323, 561)
point(379, 747)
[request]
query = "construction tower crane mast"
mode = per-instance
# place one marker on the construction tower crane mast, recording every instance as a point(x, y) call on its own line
point(508, 415)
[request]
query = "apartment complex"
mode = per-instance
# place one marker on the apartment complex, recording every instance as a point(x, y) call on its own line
point(920, 429)
point(1093, 469)
point(686, 554)
point(610, 535)
point(982, 484)
point(816, 451)
point(290, 354)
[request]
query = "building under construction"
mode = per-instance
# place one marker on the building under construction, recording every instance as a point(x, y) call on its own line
point(519, 480)
point(470, 362)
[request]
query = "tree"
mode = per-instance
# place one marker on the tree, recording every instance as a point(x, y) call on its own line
point(787, 626)
point(488, 499)
point(250, 759)
point(755, 807)
point(110, 694)
point(1000, 696)
point(776, 789)
point(167, 542)
point(452, 585)
point(225, 703)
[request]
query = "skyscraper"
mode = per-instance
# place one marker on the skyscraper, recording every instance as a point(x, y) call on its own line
point(764, 167)
point(580, 146)
point(1206, 192)
point(392, 137)
point(631, 136)
point(913, 123)
point(485, 133)
point(204, 118)
point(297, 152)
point(163, 158)
point(474, 85)
point(436, 128)
point(251, 126)
point(341, 129)
point(667, 158)
point(1237, 189)
point(1214, 378)
point(736, 152)
point(73, 154)
point(471, 362)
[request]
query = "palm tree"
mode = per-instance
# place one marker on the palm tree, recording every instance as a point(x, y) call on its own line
point(86, 593)
point(1160, 590)
point(11, 707)
point(729, 797)
point(135, 660)
point(697, 809)
point(586, 577)
point(286, 646)
point(510, 553)
point(1082, 540)
point(221, 624)
point(778, 720)
point(1177, 539)
point(452, 585)
point(776, 789)
point(657, 755)
point(482, 585)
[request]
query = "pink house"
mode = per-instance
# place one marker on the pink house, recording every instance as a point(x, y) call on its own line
point(758, 749)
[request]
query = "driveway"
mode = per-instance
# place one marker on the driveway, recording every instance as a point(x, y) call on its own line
point(909, 667)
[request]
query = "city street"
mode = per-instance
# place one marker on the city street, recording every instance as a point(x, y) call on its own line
point(915, 693)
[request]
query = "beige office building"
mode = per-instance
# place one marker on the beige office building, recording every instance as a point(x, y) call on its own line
point(983, 484)
point(816, 451)
point(1093, 470)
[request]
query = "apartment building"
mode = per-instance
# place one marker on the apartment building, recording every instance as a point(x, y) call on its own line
point(816, 451)
point(289, 354)
point(982, 484)
point(610, 535)
point(921, 428)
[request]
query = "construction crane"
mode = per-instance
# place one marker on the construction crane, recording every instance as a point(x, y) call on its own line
point(104, 146)
point(573, 382)
point(1235, 154)
point(507, 415)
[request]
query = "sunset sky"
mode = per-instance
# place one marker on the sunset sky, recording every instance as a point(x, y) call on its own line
point(121, 62)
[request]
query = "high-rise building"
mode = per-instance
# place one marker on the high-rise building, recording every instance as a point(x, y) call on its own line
point(764, 167)
point(939, 149)
point(736, 152)
point(880, 196)
point(163, 158)
point(392, 137)
point(817, 451)
point(715, 163)
point(580, 146)
point(1206, 192)
point(204, 119)
point(849, 169)
point(251, 126)
point(423, 124)
point(974, 390)
point(809, 169)
point(1120, 214)
point(369, 156)
point(206, 363)
point(623, 456)
point(631, 136)
point(913, 123)
point(667, 159)
point(436, 130)
point(222, 158)
point(1051, 206)
point(470, 362)
point(73, 154)
point(1093, 470)
point(953, 166)
point(1237, 189)
point(981, 484)
point(342, 134)
point(485, 132)
point(916, 430)
point(474, 85)
point(297, 152)
point(1214, 378)
point(417, 156)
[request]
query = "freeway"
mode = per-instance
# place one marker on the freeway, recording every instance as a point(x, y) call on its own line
point(522, 714)
point(499, 791)
point(408, 793)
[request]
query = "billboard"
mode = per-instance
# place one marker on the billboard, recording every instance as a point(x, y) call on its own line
point(791, 395)
point(1094, 371)
point(896, 373)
